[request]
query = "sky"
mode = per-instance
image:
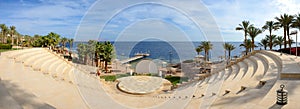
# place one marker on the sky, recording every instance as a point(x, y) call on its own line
point(174, 20)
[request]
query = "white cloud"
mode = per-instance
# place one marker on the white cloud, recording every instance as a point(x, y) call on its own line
point(44, 16)
point(287, 6)
point(229, 14)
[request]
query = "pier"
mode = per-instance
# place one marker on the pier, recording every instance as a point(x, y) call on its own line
point(136, 57)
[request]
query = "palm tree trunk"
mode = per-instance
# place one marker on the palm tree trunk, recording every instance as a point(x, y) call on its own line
point(206, 55)
point(106, 69)
point(17, 41)
point(280, 46)
point(229, 52)
point(85, 59)
point(252, 44)
point(270, 43)
point(245, 35)
point(284, 37)
point(12, 40)
point(288, 34)
point(96, 60)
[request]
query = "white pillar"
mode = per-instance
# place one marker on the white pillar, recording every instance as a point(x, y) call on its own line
point(131, 72)
point(160, 73)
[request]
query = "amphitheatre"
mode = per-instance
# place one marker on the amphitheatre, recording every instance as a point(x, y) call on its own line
point(38, 78)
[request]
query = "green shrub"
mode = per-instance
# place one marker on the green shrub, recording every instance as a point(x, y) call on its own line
point(176, 79)
point(109, 77)
point(5, 46)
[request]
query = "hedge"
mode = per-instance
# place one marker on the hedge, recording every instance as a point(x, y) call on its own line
point(5, 46)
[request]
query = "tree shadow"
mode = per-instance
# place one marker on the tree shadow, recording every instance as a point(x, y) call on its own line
point(13, 93)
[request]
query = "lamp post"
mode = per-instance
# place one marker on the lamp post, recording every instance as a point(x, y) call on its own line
point(293, 33)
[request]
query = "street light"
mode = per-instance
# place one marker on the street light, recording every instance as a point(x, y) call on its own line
point(293, 33)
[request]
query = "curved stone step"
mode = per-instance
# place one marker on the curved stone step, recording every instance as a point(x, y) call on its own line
point(216, 76)
point(261, 68)
point(58, 70)
point(275, 57)
point(53, 66)
point(229, 69)
point(265, 62)
point(46, 65)
point(37, 64)
point(255, 65)
point(17, 53)
point(242, 69)
point(246, 68)
point(23, 56)
point(29, 61)
point(235, 70)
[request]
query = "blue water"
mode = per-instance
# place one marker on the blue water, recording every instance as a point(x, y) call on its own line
point(176, 51)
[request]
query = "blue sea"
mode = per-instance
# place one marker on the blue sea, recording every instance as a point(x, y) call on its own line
point(171, 51)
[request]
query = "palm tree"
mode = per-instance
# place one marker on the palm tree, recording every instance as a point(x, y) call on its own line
point(70, 41)
point(279, 41)
point(4, 31)
point(99, 54)
point(253, 32)
point(270, 25)
point(247, 45)
point(92, 50)
point(271, 39)
point(18, 38)
point(264, 42)
point(82, 52)
point(229, 47)
point(198, 50)
point(296, 23)
point(29, 41)
point(244, 27)
point(12, 33)
point(107, 54)
point(289, 20)
point(52, 39)
point(63, 42)
point(285, 21)
point(206, 46)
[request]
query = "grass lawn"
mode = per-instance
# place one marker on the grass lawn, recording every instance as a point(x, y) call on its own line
point(3, 50)
point(114, 77)
point(122, 75)
point(109, 77)
point(176, 79)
